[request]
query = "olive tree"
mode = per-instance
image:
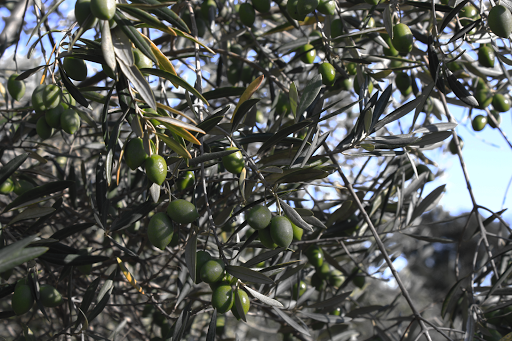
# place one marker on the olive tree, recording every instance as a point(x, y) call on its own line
point(225, 170)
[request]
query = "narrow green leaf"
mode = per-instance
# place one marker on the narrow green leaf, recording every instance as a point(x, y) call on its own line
point(272, 268)
point(331, 302)
point(176, 80)
point(122, 46)
point(267, 300)
point(291, 322)
point(29, 72)
point(181, 323)
point(139, 82)
point(134, 35)
point(175, 146)
point(31, 213)
point(210, 156)
point(314, 221)
point(11, 167)
point(165, 14)
point(364, 310)
point(248, 275)
point(131, 216)
point(17, 254)
point(325, 318)
point(179, 123)
point(212, 327)
point(294, 98)
point(210, 123)
point(283, 133)
point(72, 89)
point(437, 127)
point(242, 111)
point(429, 199)
point(263, 256)
point(447, 18)
point(449, 297)
point(294, 216)
point(249, 91)
point(430, 239)
point(398, 113)
point(72, 259)
point(101, 304)
point(460, 91)
point(500, 280)
point(107, 47)
point(39, 192)
point(224, 92)
point(70, 230)
point(309, 94)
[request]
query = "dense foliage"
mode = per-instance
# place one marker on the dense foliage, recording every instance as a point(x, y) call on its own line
point(272, 196)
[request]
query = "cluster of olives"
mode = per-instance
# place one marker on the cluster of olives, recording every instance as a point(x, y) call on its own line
point(211, 270)
point(23, 298)
point(160, 229)
point(57, 109)
point(155, 165)
point(275, 231)
point(323, 273)
point(500, 103)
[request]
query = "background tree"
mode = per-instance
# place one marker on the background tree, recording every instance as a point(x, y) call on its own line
point(279, 189)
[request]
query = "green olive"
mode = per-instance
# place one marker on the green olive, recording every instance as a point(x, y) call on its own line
point(327, 7)
point(479, 122)
point(496, 116)
point(103, 9)
point(336, 28)
point(75, 68)
point(486, 56)
point(160, 230)
point(223, 298)
point(281, 231)
point(500, 21)
point(156, 169)
point(453, 146)
point(16, 88)
point(262, 6)
point(501, 103)
point(247, 14)
point(245, 302)
point(307, 53)
point(259, 217)
point(402, 38)
point(328, 73)
point(182, 211)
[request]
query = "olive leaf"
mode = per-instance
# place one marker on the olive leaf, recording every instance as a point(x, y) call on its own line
point(248, 275)
point(294, 216)
point(17, 253)
point(263, 298)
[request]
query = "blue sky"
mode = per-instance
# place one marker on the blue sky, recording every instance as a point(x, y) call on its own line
point(488, 161)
